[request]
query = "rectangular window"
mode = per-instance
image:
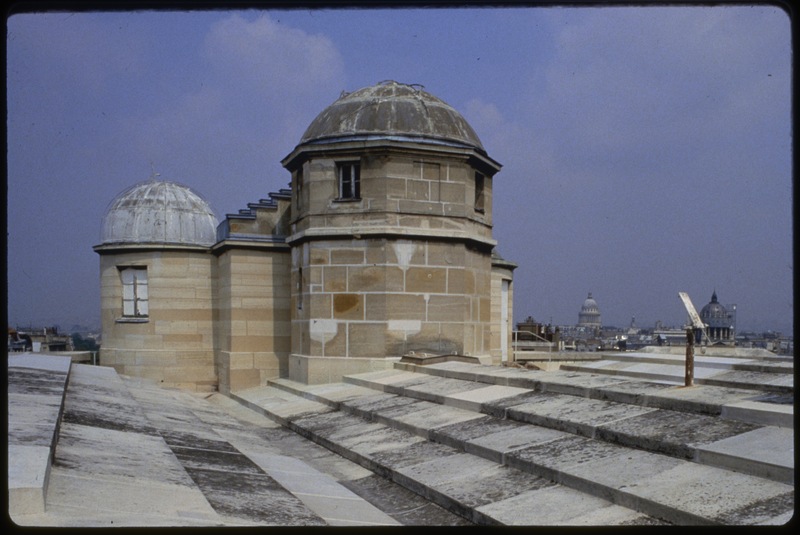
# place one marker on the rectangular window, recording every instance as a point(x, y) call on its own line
point(479, 186)
point(349, 181)
point(134, 292)
point(299, 188)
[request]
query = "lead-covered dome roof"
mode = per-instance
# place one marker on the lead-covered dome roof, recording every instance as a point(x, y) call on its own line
point(391, 109)
point(714, 310)
point(159, 212)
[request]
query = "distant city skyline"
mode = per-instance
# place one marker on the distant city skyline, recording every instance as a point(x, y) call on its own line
point(646, 150)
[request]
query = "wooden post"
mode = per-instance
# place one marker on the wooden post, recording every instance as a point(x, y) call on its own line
point(689, 356)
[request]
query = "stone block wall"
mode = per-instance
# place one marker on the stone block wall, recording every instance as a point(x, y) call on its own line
point(252, 317)
point(379, 298)
point(174, 343)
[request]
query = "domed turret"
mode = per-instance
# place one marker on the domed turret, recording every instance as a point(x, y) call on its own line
point(159, 212)
point(391, 109)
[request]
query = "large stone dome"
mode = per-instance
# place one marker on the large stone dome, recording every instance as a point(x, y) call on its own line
point(715, 314)
point(159, 212)
point(590, 313)
point(391, 109)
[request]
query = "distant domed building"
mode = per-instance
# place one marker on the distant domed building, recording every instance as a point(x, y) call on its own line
point(589, 316)
point(720, 322)
point(382, 247)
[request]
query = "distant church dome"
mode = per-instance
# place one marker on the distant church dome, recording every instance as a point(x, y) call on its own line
point(589, 315)
point(391, 109)
point(159, 212)
point(714, 314)
point(720, 322)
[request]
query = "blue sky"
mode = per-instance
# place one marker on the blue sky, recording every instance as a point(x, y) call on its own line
point(645, 150)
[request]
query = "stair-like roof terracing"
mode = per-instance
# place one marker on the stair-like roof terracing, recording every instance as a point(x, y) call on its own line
point(260, 221)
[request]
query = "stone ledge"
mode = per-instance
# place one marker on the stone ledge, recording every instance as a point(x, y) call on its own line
point(28, 473)
point(423, 359)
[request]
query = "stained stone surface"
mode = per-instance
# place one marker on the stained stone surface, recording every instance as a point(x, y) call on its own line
point(422, 419)
point(178, 459)
point(498, 445)
point(400, 503)
point(123, 454)
point(371, 404)
point(416, 380)
point(545, 507)
point(551, 457)
point(440, 388)
point(415, 453)
point(499, 407)
point(630, 391)
point(496, 483)
point(243, 495)
point(575, 415)
point(478, 427)
point(674, 433)
point(773, 461)
point(477, 398)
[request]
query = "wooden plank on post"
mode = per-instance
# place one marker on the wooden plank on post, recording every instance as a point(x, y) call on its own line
point(697, 323)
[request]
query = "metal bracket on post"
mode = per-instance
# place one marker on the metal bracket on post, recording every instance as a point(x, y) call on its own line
point(696, 323)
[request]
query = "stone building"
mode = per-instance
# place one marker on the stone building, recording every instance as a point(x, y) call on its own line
point(720, 322)
point(589, 316)
point(381, 247)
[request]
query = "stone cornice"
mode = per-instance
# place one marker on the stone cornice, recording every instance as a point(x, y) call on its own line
point(386, 231)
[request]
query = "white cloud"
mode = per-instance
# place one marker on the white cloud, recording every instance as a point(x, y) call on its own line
point(270, 58)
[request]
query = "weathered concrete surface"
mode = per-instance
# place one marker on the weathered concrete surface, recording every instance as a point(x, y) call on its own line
point(546, 507)
point(605, 451)
point(774, 461)
point(475, 398)
point(35, 394)
point(719, 370)
point(131, 454)
point(575, 415)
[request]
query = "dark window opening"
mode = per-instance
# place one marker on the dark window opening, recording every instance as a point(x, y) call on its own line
point(349, 181)
point(298, 190)
point(479, 193)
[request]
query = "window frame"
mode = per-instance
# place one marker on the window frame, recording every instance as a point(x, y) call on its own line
point(299, 188)
point(480, 192)
point(353, 184)
point(135, 293)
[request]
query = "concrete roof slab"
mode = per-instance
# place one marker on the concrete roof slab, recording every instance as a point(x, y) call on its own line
point(545, 507)
point(768, 452)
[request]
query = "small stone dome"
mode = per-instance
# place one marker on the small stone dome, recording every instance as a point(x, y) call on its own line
point(159, 212)
point(391, 109)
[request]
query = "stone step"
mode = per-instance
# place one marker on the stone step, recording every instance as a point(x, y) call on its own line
point(718, 371)
point(670, 432)
point(228, 461)
point(742, 404)
point(760, 364)
point(480, 490)
point(35, 401)
point(348, 416)
point(129, 453)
